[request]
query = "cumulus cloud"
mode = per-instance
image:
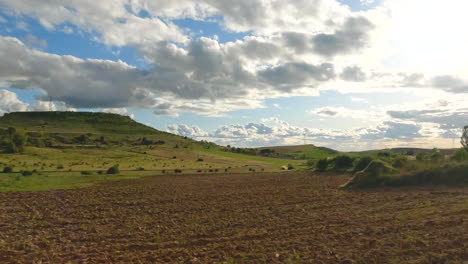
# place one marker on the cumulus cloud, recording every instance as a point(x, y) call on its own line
point(34, 42)
point(119, 111)
point(113, 23)
point(9, 102)
point(293, 48)
point(79, 83)
point(353, 73)
point(450, 83)
point(273, 131)
point(372, 114)
point(186, 131)
point(350, 38)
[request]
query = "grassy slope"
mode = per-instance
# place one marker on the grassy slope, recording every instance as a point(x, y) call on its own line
point(303, 151)
point(121, 133)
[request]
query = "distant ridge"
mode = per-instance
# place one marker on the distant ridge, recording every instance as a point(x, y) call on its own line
point(89, 122)
point(298, 148)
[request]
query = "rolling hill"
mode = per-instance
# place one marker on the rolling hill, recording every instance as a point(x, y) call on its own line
point(69, 149)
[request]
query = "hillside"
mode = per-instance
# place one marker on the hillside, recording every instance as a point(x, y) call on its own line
point(297, 152)
point(70, 149)
point(74, 122)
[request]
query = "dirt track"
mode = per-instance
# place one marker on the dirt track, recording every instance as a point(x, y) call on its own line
point(276, 218)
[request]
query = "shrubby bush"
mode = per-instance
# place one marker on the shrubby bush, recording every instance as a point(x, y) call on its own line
point(460, 155)
point(436, 156)
point(363, 163)
point(27, 173)
point(13, 141)
point(8, 169)
point(114, 169)
point(400, 162)
point(321, 165)
point(421, 156)
point(343, 162)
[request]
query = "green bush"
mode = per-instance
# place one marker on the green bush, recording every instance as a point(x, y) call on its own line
point(343, 162)
point(449, 174)
point(421, 156)
point(8, 169)
point(87, 173)
point(114, 169)
point(321, 165)
point(363, 163)
point(310, 163)
point(290, 167)
point(178, 171)
point(141, 169)
point(27, 173)
point(436, 156)
point(374, 175)
point(460, 155)
point(59, 167)
point(400, 162)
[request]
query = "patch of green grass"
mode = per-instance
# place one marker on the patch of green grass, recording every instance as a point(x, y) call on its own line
point(16, 182)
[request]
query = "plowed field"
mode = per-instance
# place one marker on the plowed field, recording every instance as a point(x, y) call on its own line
point(234, 218)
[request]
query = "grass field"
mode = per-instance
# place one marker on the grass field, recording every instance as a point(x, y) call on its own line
point(62, 168)
point(234, 218)
point(60, 147)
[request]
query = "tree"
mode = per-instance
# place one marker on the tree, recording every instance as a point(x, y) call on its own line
point(343, 162)
point(464, 138)
point(322, 165)
point(14, 141)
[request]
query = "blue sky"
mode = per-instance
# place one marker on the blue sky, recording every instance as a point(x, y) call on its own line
point(349, 74)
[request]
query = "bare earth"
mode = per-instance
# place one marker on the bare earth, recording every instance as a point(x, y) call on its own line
point(234, 218)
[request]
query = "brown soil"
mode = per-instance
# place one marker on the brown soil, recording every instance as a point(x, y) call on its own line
point(244, 218)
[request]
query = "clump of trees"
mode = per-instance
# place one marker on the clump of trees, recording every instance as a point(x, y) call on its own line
point(12, 140)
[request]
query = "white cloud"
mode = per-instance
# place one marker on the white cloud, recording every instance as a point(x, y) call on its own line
point(273, 131)
point(112, 22)
point(331, 112)
point(187, 131)
point(34, 42)
point(9, 102)
point(119, 111)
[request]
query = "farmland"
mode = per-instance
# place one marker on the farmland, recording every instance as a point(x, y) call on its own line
point(234, 218)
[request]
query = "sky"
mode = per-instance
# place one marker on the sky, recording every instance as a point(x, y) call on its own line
point(347, 74)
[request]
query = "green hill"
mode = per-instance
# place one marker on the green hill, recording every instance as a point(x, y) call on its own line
point(72, 149)
point(74, 122)
point(297, 152)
